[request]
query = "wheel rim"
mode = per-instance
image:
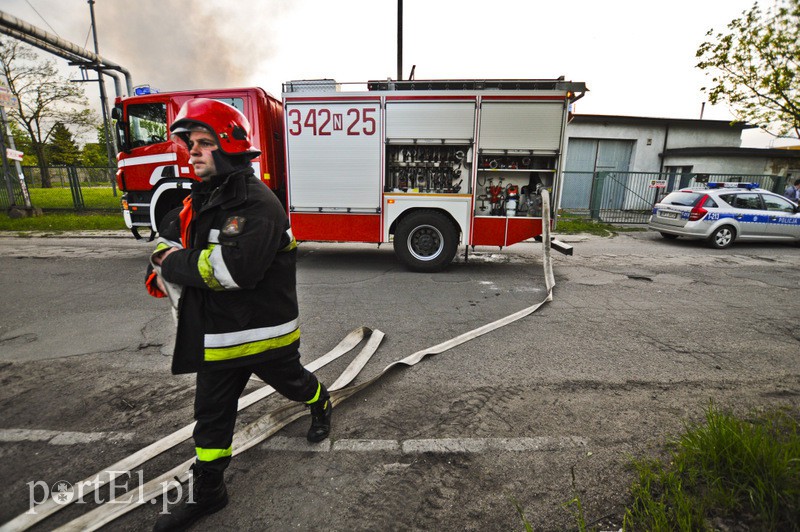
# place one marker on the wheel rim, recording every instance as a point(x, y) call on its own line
point(425, 243)
point(724, 237)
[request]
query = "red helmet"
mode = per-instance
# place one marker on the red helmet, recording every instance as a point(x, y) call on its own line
point(226, 122)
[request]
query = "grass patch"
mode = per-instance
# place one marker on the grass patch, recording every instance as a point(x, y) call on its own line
point(722, 472)
point(103, 211)
point(96, 198)
point(571, 224)
point(54, 221)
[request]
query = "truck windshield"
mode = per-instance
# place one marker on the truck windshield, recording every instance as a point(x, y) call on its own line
point(147, 124)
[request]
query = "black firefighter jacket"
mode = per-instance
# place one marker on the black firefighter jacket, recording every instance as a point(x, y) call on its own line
point(237, 270)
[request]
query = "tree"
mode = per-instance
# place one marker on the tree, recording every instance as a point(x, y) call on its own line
point(22, 142)
point(44, 99)
point(95, 154)
point(754, 67)
point(62, 148)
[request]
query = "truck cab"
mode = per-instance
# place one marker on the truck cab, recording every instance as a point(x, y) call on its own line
point(153, 172)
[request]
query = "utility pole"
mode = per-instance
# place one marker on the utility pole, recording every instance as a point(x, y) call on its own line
point(110, 150)
point(399, 40)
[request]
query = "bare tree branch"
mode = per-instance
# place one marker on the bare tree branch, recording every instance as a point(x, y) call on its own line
point(44, 99)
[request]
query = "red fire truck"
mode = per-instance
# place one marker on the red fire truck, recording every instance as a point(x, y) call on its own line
point(427, 165)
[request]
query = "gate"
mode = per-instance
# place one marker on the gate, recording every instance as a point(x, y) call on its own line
point(628, 197)
point(10, 191)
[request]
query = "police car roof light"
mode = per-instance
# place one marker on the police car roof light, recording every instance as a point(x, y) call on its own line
point(748, 186)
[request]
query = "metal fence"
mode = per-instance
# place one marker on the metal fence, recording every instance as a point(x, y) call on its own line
point(10, 190)
point(60, 176)
point(74, 188)
point(628, 197)
point(613, 197)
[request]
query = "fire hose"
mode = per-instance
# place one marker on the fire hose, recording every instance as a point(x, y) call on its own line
point(270, 423)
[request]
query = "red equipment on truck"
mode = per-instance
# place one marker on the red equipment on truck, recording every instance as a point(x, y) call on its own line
point(427, 165)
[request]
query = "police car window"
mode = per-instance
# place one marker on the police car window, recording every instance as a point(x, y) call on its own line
point(685, 199)
point(746, 201)
point(774, 203)
point(710, 203)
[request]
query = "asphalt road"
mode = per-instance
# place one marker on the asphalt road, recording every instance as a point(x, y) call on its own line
point(641, 335)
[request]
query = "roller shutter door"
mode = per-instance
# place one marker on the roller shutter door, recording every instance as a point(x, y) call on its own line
point(430, 120)
point(334, 156)
point(521, 126)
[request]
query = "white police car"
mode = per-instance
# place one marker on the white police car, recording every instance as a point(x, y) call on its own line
point(724, 212)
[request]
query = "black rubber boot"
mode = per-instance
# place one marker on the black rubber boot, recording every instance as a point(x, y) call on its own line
point(320, 419)
point(208, 496)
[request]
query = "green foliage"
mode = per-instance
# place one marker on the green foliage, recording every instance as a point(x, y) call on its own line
point(575, 506)
point(728, 468)
point(62, 149)
point(22, 142)
point(94, 154)
point(528, 526)
point(754, 66)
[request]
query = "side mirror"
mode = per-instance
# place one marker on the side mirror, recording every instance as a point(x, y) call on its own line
point(116, 113)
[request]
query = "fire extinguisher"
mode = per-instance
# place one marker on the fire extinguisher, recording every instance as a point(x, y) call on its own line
point(512, 200)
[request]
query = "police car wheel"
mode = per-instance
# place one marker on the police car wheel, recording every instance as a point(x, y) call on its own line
point(669, 236)
point(723, 237)
point(426, 241)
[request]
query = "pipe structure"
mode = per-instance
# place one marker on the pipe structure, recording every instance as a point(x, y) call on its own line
point(19, 29)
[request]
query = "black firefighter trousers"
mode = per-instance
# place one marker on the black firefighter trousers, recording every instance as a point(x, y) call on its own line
point(217, 395)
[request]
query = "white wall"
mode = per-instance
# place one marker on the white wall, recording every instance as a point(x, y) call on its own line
point(649, 140)
point(721, 165)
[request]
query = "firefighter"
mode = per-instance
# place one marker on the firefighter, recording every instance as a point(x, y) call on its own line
point(232, 254)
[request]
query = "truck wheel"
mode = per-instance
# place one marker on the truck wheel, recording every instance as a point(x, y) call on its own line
point(723, 237)
point(426, 241)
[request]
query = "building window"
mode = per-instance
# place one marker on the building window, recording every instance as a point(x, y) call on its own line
point(678, 176)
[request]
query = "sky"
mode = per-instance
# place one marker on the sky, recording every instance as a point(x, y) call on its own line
point(637, 57)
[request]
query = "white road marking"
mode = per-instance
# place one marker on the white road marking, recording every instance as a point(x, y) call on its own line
point(56, 437)
point(436, 445)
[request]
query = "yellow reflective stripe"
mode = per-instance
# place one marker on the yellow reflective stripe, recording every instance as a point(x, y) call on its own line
point(316, 395)
point(160, 247)
point(218, 354)
point(209, 455)
point(234, 338)
point(292, 245)
point(206, 270)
